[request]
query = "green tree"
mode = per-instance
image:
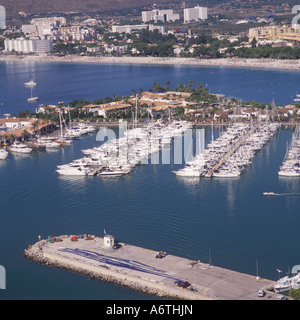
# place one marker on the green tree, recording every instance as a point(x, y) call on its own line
point(295, 294)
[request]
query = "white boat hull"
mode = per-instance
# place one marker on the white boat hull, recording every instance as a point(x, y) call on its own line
point(3, 155)
point(71, 172)
point(289, 174)
point(19, 148)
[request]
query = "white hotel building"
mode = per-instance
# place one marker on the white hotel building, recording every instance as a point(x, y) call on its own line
point(22, 45)
point(194, 14)
point(159, 15)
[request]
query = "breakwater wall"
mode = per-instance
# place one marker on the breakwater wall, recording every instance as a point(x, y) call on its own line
point(138, 269)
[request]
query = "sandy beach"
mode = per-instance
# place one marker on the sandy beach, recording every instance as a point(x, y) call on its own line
point(290, 65)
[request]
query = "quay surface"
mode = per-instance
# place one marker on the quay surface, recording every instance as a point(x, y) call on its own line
point(139, 269)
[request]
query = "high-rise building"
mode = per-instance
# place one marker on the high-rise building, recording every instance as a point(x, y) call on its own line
point(159, 15)
point(194, 14)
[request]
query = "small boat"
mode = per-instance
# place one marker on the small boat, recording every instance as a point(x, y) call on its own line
point(32, 99)
point(31, 83)
point(269, 194)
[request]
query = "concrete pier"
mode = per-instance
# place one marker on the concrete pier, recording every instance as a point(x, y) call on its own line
point(139, 269)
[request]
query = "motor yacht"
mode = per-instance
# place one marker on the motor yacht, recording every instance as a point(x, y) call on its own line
point(19, 147)
point(75, 170)
point(113, 172)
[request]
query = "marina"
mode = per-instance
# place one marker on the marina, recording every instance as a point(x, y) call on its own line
point(166, 276)
point(151, 207)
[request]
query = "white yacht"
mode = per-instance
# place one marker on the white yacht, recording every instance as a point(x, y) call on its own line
point(190, 171)
point(227, 174)
point(287, 283)
point(76, 170)
point(49, 144)
point(113, 172)
point(30, 83)
point(3, 154)
point(19, 147)
point(289, 173)
point(32, 99)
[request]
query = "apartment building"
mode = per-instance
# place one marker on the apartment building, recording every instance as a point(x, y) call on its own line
point(159, 15)
point(38, 46)
point(194, 14)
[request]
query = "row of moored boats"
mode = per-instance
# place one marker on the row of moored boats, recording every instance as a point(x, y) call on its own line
point(47, 142)
point(291, 162)
point(120, 155)
point(231, 152)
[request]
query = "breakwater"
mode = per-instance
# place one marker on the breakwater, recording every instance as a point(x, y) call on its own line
point(143, 270)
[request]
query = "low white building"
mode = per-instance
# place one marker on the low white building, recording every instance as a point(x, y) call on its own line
point(128, 28)
point(15, 123)
point(108, 241)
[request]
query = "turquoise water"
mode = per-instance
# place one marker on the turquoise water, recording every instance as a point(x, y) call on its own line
point(151, 207)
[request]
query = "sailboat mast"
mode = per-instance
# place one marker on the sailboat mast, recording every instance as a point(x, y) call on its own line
point(60, 123)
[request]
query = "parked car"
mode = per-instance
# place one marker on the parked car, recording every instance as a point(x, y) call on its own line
point(182, 284)
point(261, 293)
point(160, 254)
point(281, 297)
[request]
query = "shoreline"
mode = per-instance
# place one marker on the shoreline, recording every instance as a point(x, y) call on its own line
point(287, 65)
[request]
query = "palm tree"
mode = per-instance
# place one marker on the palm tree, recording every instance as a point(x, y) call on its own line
point(12, 136)
point(25, 133)
point(35, 125)
point(167, 83)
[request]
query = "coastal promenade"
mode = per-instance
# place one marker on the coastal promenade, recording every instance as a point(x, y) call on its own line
point(139, 269)
point(292, 65)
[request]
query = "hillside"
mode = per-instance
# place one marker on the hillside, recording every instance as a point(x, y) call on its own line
point(31, 7)
point(44, 7)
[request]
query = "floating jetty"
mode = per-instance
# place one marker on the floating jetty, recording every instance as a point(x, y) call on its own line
point(147, 271)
